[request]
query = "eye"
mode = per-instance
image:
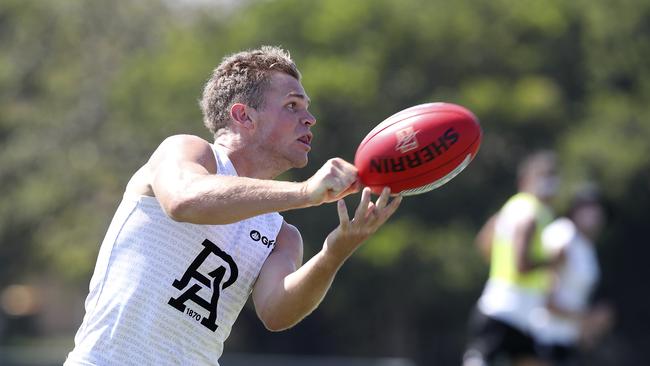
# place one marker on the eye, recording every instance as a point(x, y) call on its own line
point(292, 106)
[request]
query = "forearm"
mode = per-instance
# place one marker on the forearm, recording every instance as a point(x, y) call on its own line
point(530, 265)
point(285, 295)
point(224, 199)
point(560, 311)
point(299, 293)
point(523, 242)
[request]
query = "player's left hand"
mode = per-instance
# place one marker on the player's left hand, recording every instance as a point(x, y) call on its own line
point(369, 217)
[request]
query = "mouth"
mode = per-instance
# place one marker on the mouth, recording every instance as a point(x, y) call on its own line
point(306, 139)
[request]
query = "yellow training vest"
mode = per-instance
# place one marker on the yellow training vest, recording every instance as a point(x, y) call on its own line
point(503, 262)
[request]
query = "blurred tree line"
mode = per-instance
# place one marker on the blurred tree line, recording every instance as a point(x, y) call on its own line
point(89, 88)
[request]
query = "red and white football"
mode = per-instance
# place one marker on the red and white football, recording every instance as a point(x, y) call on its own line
point(418, 149)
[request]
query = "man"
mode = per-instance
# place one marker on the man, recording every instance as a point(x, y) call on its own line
point(568, 319)
point(519, 269)
point(198, 230)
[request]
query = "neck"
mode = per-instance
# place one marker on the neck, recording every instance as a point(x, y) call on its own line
point(589, 234)
point(531, 191)
point(248, 162)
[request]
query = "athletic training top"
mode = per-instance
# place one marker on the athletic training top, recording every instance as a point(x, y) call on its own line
point(509, 295)
point(165, 292)
point(574, 284)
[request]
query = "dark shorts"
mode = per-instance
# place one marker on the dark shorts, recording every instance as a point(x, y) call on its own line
point(492, 339)
point(559, 355)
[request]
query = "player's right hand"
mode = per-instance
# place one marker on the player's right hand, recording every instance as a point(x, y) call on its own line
point(334, 180)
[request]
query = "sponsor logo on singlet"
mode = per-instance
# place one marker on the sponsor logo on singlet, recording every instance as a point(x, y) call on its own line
point(257, 236)
point(214, 282)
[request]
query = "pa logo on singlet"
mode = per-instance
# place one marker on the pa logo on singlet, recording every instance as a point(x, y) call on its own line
point(214, 281)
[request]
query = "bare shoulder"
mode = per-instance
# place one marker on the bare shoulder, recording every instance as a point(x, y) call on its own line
point(183, 146)
point(289, 242)
point(184, 139)
point(172, 151)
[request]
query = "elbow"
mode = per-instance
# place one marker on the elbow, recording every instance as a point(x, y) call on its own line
point(276, 327)
point(178, 210)
point(277, 322)
point(523, 267)
point(189, 210)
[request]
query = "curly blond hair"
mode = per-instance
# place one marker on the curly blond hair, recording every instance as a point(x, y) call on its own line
point(242, 78)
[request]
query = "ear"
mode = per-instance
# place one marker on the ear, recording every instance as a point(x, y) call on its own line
point(241, 115)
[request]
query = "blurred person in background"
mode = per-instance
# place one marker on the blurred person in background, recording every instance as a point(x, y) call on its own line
point(198, 229)
point(568, 322)
point(519, 269)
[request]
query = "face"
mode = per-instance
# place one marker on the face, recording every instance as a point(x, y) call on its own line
point(544, 182)
point(546, 186)
point(282, 124)
point(589, 219)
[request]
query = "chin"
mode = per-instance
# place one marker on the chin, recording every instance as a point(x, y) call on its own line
point(301, 164)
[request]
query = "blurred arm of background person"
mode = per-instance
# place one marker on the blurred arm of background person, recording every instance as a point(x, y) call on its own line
point(522, 242)
point(484, 238)
point(596, 323)
point(539, 178)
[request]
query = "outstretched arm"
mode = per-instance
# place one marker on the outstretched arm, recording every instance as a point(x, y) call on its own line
point(181, 174)
point(285, 292)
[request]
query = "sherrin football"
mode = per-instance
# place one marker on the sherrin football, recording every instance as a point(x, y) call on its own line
point(418, 149)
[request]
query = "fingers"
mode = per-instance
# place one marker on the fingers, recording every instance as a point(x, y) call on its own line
point(346, 178)
point(344, 219)
point(344, 165)
point(383, 198)
point(337, 186)
point(344, 170)
point(369, 213)
point(334, 180)
point(369, 216)
point(363, 207)
point(382, 210)
point(392, 207)
point(354, 188)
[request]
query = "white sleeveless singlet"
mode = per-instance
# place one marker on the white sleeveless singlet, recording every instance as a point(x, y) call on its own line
point(575, 282)
point(165, 292)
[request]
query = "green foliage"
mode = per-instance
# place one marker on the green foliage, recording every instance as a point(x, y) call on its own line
point(61, 58)
point(441, 248)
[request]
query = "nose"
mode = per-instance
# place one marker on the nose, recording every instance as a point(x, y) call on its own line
point(309, 119)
